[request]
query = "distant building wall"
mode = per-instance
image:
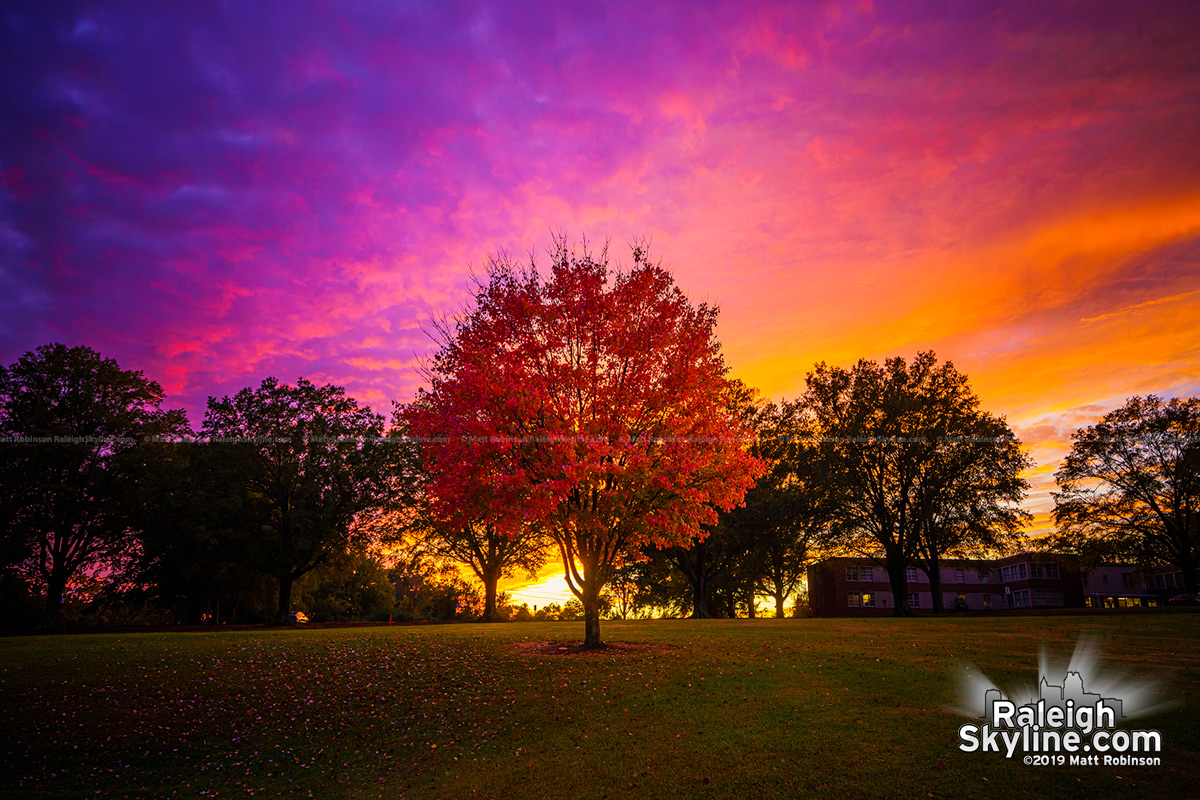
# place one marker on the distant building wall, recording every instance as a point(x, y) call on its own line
point(859, 586)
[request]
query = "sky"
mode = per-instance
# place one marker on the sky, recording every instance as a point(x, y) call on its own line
point(217, 192)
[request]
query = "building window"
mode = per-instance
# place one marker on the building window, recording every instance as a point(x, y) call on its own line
point(852, 573)
point(852, 599)
point(866, 574)
point(1105, 577)
point(961, 601)
point(1085, 579)
point(1043, 570)
point(910, 575)
point(987, 601)
point(1039, 597)
point(985, 575)
point(1056, 598)
point(914, 600)
point(1021, 570)
point(1127, 579)
point(1159, 583)
point(868, 600)
point(960, 575)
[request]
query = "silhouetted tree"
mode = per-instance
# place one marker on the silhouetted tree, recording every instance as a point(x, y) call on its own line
point(195, 550)
point(304, 462)
point(622, 590)
point(353, 585)
point(76, 428)
point(896, 474)
point(782, 518)
point(1131, 484)
point(970, 494)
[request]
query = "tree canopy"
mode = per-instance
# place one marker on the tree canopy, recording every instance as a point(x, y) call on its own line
point(1130, 487)
point(78, 431)
point(911, 465)
point(591, 404)
point(304, 462)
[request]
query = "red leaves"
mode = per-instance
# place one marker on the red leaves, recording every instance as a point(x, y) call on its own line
point(590, 406)
point(593, 397)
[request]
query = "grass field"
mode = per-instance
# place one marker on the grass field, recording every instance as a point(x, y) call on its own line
point(734, 708)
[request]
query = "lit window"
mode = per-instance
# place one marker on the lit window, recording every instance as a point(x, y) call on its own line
point(868, 600)
point(852, 599)
point(987, 601)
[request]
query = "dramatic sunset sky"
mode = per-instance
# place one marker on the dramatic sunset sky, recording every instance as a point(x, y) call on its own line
point(213, 193)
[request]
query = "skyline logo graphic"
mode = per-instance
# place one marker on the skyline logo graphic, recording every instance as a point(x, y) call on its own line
point(1070, 720)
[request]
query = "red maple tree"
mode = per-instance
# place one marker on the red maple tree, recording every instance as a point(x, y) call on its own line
point(589, 405)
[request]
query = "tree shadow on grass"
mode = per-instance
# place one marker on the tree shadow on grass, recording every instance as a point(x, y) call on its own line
point(555, 647)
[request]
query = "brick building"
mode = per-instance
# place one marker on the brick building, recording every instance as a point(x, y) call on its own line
point(855, 586)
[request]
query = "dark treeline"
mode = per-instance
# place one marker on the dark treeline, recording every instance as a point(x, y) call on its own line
point(297, 498)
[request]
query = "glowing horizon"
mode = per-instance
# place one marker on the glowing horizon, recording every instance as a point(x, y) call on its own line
point(213, 197)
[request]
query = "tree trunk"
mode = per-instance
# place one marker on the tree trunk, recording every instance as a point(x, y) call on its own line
point(591, 623)
point(898, 578)
point(779, 598)
point(491, 583)
point(751, 611)
point(1188, 564)
point(56, 587)
point(699, 601)
point(285, 601)
point(935, 584)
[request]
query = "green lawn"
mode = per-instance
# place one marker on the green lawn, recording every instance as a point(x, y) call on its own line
point(723, 708)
